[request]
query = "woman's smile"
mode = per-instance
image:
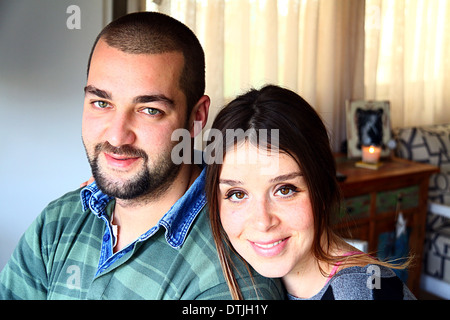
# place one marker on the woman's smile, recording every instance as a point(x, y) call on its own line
point(269, 249)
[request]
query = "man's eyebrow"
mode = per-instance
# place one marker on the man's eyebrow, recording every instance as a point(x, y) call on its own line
point(97, 92)
point(285, 177)
point(154, 98)
point(139, 99)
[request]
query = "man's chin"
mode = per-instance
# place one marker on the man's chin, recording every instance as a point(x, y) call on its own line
point(125, 189)
point(138, 183)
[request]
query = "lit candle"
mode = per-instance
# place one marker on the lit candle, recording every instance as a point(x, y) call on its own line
point(371, 154)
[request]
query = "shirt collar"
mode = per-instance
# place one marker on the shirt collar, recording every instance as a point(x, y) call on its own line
point(94, 199)
point(177, 221)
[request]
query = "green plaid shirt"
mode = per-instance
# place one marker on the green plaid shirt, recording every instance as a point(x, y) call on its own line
point(67, 254)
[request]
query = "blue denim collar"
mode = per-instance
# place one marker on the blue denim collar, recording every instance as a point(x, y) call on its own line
point(177, 221)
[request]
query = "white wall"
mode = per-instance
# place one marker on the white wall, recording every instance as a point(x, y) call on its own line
point(42, 75)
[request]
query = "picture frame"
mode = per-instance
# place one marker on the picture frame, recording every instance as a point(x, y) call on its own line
point(368, 123)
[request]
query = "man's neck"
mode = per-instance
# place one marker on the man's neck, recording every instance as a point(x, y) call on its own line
point(137, 216)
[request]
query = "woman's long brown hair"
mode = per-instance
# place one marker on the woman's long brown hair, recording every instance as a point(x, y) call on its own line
point(304, 137)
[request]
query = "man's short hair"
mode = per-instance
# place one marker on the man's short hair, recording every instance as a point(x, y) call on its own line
point(155, 33)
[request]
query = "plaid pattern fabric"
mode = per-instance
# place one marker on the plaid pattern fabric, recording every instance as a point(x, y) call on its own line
point(62, 256)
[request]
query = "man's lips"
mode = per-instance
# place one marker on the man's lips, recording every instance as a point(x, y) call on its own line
point(269, 248)
point(120, 161)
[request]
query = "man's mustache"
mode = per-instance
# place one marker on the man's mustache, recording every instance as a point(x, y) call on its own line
point(125, 150)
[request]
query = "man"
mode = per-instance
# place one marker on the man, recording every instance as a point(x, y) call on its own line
point(140, 231)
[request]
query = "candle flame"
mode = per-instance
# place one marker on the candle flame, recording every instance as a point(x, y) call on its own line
point(371, 149)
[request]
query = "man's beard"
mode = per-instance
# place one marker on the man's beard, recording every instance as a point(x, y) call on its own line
point(150, 183)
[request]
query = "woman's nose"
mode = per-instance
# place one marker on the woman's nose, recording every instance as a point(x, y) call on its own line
point(263, 218)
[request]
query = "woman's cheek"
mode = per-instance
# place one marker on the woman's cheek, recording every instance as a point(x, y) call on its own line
point(232, 221)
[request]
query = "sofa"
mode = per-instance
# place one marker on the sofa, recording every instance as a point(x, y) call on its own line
point(431, 144)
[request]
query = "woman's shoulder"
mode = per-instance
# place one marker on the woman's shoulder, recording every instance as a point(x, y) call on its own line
point(370, 282)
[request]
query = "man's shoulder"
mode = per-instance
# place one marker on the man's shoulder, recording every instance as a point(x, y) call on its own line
point(200, 238)
point(70, 199)
point(62, 211)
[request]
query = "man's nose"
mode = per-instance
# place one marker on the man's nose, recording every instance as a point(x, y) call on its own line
point(120, 130)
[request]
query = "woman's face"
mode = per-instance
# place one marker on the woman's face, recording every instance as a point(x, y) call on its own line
point(266, 215)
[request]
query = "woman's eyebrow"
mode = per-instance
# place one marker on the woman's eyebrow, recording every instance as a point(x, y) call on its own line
point(285, 177)
point(280, 178)
point(230, 182)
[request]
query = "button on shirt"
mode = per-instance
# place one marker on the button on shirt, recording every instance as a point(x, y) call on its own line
point(67, 253)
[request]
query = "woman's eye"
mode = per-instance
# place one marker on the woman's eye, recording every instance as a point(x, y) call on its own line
point(236, 195)
point(100, 104)
point(151, 111)
point(286, 191)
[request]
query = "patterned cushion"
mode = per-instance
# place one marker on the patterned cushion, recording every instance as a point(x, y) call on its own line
point(429, 144)
point(436, 262)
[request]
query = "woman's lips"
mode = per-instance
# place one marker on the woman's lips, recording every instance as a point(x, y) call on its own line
point(269, 248)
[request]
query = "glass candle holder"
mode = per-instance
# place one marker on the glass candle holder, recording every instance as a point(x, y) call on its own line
point(371, 154)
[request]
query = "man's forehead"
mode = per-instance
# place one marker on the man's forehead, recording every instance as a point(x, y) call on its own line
point(139, 74)
point(106, 58)
point(102, 46)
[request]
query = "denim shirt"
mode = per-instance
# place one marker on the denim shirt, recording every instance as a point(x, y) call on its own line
point(176, 221)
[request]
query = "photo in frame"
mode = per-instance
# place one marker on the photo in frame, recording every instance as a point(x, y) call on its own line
point(368, 123)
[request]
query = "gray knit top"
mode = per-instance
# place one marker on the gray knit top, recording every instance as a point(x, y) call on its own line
point(372, 282)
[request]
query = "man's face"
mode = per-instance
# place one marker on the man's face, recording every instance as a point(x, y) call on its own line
point(132, 105)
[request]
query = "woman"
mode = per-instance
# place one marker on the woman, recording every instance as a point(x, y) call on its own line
point(274, 197)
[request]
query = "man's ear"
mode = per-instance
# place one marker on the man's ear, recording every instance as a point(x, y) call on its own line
point(199, 115)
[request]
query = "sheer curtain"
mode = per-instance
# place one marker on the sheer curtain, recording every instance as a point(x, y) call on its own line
point(407, 59)
point(314, 47)
point(328, 51)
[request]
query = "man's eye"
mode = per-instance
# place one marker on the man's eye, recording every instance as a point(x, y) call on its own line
point(151, 111)
point(100, 104)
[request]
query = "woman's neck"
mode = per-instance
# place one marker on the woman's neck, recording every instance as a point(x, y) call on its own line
point(305, 279)
point(310, 275)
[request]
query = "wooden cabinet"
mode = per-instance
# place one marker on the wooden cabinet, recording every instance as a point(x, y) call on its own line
point(370, 201)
